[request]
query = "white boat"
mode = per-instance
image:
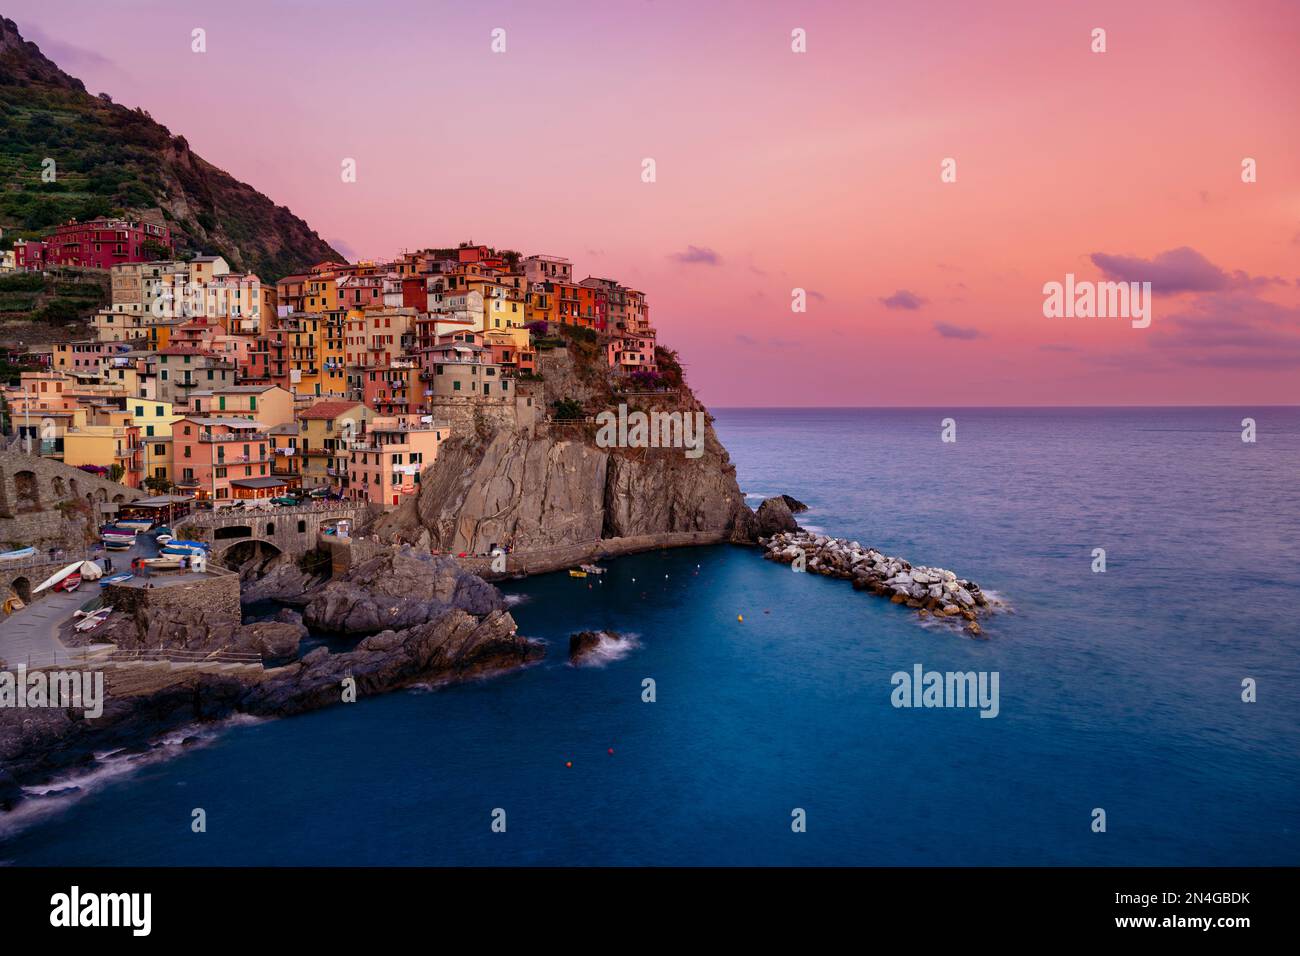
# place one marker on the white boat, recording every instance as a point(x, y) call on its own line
point(118, 542)
point(134, 524)
point(56, 577)
point(592, 568)
point(91, 621)
point(168, 562)
point(17, 555)
point(90, 571)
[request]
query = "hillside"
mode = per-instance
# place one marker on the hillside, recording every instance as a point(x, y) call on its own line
point(112, 159)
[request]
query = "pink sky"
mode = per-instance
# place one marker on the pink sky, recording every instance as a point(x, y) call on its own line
point(782, 170)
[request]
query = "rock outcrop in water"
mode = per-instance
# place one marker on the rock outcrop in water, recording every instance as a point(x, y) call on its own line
point(586, 643)
point(400, 588)
point(930, 591)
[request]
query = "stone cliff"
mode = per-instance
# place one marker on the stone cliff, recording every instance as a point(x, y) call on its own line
point(552, 486)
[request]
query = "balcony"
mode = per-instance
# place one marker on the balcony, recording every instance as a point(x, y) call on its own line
point(246, 437)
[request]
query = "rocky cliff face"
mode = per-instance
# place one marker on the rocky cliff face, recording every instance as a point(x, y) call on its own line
point(555, 487)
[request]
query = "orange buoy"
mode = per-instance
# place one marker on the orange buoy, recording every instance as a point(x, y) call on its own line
point(611, 749)
point(568, 763)
point(740, 617)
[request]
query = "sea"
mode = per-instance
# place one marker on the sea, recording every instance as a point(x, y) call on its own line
point(1148, 713)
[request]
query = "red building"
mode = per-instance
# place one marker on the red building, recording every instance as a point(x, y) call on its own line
point(102, 243)
point(29, 254)
point(415, 293)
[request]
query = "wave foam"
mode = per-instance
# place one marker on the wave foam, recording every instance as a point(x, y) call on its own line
point(610, 649)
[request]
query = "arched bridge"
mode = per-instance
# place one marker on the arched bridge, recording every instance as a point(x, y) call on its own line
point(284, 530)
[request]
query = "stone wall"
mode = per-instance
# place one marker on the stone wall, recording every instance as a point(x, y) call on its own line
point(464, 413)
point(217, 593)
point(36, 499)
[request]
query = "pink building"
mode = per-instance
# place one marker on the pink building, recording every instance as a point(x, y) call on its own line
point(386, 463)
point(218, 459)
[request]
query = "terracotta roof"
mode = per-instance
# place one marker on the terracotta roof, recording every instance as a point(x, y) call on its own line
point(325, 410)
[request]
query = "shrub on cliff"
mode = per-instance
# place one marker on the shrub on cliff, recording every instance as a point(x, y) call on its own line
point(568, 409)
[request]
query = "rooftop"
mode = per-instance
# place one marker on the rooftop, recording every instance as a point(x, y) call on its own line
point(327, 410)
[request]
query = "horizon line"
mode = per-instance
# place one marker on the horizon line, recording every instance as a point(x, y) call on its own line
point(933, 407)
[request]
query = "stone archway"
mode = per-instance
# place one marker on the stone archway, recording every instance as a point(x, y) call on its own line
point(232, 531)
point(23, 588)
point(27, 492)
point(253, 553)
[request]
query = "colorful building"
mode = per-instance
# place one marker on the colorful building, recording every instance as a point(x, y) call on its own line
point(385, 463)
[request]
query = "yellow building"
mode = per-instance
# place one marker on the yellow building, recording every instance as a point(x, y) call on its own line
point(267, 404)
point(101, 445)
point(326, 432)
point(333, 353)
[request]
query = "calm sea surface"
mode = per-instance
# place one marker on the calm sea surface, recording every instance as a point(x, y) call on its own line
point(1119, 691)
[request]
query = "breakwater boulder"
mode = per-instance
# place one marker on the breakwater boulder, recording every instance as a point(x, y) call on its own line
point(775, 516)
point(930, 591)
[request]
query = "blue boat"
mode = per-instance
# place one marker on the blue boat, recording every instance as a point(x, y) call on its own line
point(116, 579)
point(184, 547)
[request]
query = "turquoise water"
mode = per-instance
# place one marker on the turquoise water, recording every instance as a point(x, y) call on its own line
point(1118, 691)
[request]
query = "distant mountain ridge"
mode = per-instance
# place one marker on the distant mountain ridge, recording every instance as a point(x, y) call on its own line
point(114, 159)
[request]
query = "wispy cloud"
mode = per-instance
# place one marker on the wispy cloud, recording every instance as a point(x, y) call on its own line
point(950, 331)
point(903, 299)
point(697, 255)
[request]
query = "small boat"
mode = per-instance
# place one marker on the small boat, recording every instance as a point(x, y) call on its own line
point(134, 524)
point(115, 579)
point(70, 583)
point(285, 502)
point(17, 555)
point(575, 573)
point(184, 547)
point(90, 571)
point(92, 620)
point(592, 568)
point(163, 534)
point(55, 579)
point(168, 562)
point(117, 542)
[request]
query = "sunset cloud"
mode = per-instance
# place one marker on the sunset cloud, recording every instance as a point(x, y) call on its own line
point(903, 299)
point(950, 331)
point(1177, 270)
point(697, 255)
